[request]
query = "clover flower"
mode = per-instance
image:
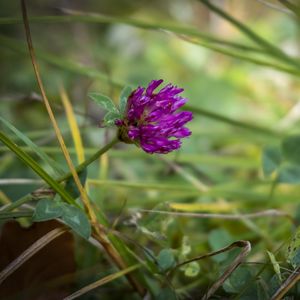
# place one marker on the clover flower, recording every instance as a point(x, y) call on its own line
point(151, 120)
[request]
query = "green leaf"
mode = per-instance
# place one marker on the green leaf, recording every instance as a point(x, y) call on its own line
point(293, 250)
point(275, 264)
point(52, 163)
point(273, 285)
point(74, 217)
point(127, 90)
point(47, 209)
point(104, 101)
point(271, 160)
point(291, 148)
point(217, 239)
point(166, 260)
point(110, 117)
point(71, 186)
point(289, 174)
point(185, 248)
point(77, 220)
point(192, 269)
point(240, 277)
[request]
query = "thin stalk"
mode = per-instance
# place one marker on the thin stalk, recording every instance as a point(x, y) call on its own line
point(15, 215)
point(66, 176)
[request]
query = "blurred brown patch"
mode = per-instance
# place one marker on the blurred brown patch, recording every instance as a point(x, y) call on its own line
point(46, 275)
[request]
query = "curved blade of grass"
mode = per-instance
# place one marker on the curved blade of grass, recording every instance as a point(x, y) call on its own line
point(73, 126)
point(30, 162)
point(52, 163)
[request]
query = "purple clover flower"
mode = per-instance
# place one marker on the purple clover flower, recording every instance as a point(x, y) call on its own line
point(151, 120)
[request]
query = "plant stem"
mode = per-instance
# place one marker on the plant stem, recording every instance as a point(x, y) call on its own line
point(88, 161)
point(14, 215)
point(79, 168)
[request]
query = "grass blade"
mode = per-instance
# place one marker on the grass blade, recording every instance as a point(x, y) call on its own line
point(73, 126)
point(29, 161)
point(52, 163)
point(270, 48)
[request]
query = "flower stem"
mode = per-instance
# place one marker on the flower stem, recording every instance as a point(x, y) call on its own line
point(88, 161)
point(66, 176)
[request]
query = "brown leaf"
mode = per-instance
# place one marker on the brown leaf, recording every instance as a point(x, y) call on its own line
point(43, 276)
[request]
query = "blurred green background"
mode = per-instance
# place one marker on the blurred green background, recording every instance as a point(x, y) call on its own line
point(131, 43)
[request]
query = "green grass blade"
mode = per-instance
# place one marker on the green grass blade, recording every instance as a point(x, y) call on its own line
point(52, 163)
point(245, 57)
point(30, 162)
point(270, 48)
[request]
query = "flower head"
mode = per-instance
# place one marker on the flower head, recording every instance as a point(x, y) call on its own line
point(151, 119)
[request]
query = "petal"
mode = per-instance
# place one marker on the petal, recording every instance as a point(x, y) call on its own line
point(152, 86)
point(182, 133)
point(179, 101)
point(169, 91)
point(133, 133)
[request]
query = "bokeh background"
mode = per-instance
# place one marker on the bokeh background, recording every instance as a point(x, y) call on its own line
point(131, 43)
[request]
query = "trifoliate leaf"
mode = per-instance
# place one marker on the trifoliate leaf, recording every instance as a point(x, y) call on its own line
point(71, 186)
point(77, 220)
point(192, 269)
point(166, 260)
point(104, 101)
point(110, 117)
point(124, 97)
point(47, 209)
